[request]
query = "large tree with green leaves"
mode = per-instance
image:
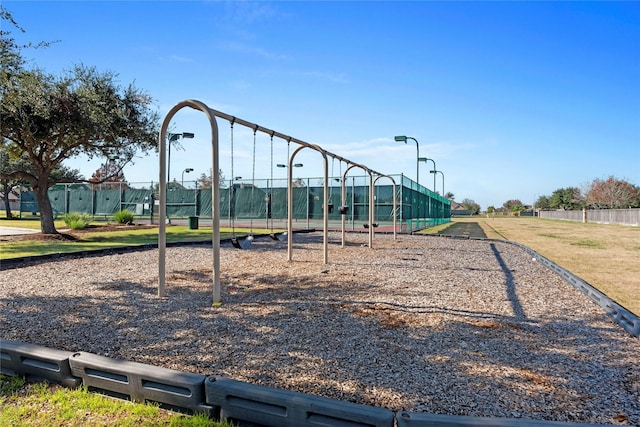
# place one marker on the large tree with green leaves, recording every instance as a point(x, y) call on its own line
point(542, 203)
point(46, 119)
point(567, 198)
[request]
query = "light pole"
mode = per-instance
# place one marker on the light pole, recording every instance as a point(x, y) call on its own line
point(173, 137)
point(187, 170)
point(434, 176)
point(424, 159)
point(403, 138)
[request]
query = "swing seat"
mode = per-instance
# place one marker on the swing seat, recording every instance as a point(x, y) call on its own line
point(242, 243)
point(281, 237)
point(366, 225)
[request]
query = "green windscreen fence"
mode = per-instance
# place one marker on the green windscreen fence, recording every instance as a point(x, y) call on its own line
point(417, 206)
point(138, 201)
point(106, 202)
point(28, 202)
point(58, 199)
point(181, 203)
point(97, 201)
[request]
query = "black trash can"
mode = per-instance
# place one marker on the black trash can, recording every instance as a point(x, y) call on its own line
point(193, 223)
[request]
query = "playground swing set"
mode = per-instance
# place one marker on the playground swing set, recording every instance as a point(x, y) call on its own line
point(243, 242)
point(274, 236)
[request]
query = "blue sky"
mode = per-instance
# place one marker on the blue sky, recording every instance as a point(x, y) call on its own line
point(512, 100)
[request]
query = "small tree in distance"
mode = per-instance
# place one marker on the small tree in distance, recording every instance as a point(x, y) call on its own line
point(514, 206)
point(108, 172)
point(566, 198)
point(613, 193)
point(206, 181)
point(470, 205)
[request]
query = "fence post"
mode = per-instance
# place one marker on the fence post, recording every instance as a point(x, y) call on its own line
point(308, 194)
point(66, 199)
point(152, 204)
point(195, 202)
point(93, 201)
point(401, 200)
point(584, 215)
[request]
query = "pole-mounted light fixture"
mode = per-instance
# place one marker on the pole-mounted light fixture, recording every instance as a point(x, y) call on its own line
point(404, 138)
point(173, 137)
point(425, 160)
point(187, 170)
point(441, 173)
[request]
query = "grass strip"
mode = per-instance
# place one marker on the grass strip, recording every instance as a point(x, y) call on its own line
point(112, 239)
point(30, 404)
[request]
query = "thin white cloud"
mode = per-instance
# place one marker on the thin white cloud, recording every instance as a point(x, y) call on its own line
point(248, 12)
point(239, 47)
point(177, 58)
point(380, 150)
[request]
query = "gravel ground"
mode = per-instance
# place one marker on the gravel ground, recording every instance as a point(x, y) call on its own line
point(422, 324)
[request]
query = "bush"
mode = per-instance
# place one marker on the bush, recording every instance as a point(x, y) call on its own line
point(123, 217)
point(77, 220)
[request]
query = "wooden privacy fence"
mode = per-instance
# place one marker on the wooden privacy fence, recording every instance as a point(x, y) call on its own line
point(600, 216)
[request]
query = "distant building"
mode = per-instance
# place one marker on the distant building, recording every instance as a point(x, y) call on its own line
point(458, 210)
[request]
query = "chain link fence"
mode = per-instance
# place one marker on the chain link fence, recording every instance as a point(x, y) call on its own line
point(260, 202)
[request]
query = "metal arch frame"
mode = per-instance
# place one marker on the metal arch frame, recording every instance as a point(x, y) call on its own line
point(325, 203)
point(215, 197)
point(344, 201)
point(395, 202)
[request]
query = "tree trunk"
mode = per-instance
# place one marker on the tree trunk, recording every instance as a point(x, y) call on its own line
point(47, 225)
point(7, 203)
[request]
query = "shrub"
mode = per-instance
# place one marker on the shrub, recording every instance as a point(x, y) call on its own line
point(77, 220)
point(123, 217)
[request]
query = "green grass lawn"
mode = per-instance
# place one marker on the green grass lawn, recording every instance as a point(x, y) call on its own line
point(34, 404)
point(32, 223)
point(106, 239)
